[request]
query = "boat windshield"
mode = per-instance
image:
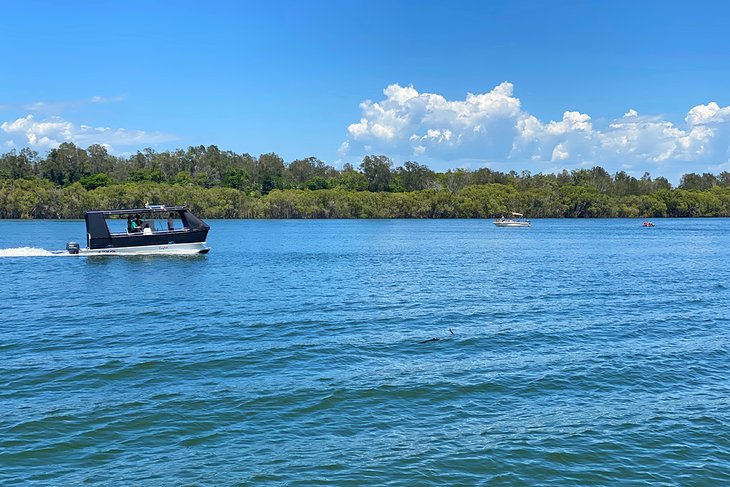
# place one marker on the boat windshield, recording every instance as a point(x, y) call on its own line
point(154, 222)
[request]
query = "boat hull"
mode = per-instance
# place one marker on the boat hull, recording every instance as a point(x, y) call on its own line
point(166, 249)
point(513, 224)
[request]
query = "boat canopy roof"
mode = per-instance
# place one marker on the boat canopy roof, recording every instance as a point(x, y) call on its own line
point(516, 214)
point(146, 209)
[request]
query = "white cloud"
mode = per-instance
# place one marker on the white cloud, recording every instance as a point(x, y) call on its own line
point(51, 132)
point(710, 113)
point(571, 122)
point(419, 123)
point(107, 99)
point(344, 148)
point(560, 153)
point(58, 107)
point(493, 127)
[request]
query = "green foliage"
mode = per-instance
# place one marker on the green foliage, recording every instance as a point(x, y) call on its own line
point(302, 171)
point(237, 179)
point(139, 175)
point(377, 170)
point(21, 165)
point(352, 180)
point(65, 164)
point(222, 184)
point(414, 177)
point(96, 181)
point(39, 198)
point(316, 183)
point(650, 206)
point(183, 178)
point(696, 182)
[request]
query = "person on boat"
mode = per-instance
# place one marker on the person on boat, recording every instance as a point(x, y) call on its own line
point(170, 222)
point(129, 224)
point(136, 224)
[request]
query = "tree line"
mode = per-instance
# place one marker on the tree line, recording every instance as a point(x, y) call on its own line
point(69, 180)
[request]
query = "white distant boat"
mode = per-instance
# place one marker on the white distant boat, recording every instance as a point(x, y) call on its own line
point(518, 221)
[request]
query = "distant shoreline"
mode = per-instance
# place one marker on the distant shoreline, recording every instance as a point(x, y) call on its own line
point(41, 199)
point(490, 220)
point(215, 183)
point(70, 180)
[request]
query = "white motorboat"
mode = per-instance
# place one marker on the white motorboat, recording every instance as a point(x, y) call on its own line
point(518, 221)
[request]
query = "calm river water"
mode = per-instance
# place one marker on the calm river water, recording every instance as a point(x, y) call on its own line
point(576, 352)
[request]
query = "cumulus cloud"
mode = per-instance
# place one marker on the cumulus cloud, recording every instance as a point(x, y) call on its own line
point(425, 123)
point(51, 132)
point(493, 126)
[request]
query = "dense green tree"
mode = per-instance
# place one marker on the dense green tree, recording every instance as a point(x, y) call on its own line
point(650, 206)
point(724, 179)
point(316, 183)
point(582, 202)
point(150, 174)
point(696, 182)
point(351, 179)
point(98, 180)
point(66, 164)
point(237, 178)
point(99, 161)
point(21, 165)
point(485, 175)
point(378, 172)
point(183, 178)
point(455, 180)
point(413, 176)
point(301, 171)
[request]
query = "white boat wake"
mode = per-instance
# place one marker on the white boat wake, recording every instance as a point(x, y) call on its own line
point(30, 252)
point(179, 250)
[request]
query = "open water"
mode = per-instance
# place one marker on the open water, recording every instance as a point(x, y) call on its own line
point(577, 352)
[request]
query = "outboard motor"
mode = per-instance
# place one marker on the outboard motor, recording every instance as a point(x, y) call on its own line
point(73, 247)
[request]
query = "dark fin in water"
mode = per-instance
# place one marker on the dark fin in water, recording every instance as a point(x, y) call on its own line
point(451, 331)
point(430, 340)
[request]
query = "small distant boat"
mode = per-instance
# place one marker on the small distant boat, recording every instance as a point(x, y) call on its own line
point(648, 224)
point(518, 221)
point(154, 229)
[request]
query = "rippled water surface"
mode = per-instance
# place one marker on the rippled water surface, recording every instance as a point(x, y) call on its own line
point(573, 353)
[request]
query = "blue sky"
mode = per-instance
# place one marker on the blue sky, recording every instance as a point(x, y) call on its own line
point(635, 86)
